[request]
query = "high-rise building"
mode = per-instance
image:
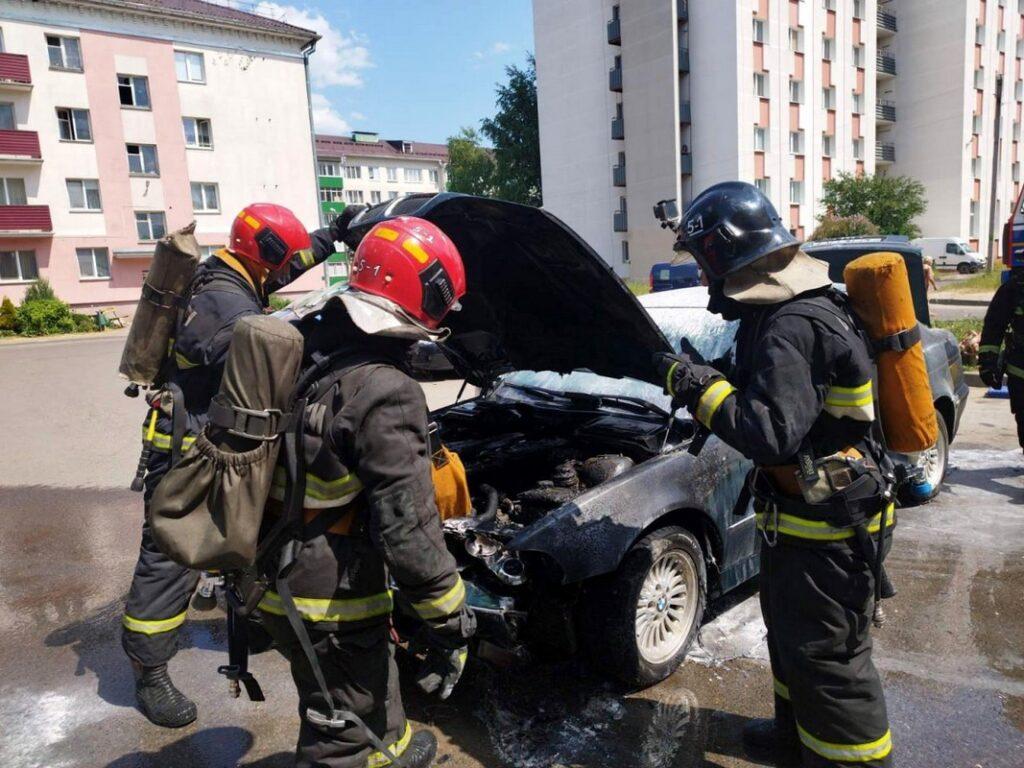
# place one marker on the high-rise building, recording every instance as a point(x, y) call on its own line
point(642, 100)
point(122, 121)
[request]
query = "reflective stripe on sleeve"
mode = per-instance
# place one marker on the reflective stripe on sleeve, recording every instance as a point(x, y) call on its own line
point(847, 753)
point(1013, 370)
point(994, 348)
point(668, 379)
point(152, 626)
point(781, 689)
point(183, 362)
point(332, 610)
point(817, 530)
point(711, 400)
point(320, 493)
point(379, 759)
point(856, 403)
point(446, 605)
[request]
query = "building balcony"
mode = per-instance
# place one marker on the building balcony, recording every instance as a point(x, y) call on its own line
point(683, 10)
point(25, 221)
point(684, 59)
point(619, 175)
point(685, 163)
point(14, 72)
point(885, 112)
point(618, 129)
point(885, 153)
point(886, 65)
point(684, 112)
point(619, 221)
point(20, 147)
point(334, 207)
point(615, 79)
point(331, 182)
point(615, 32)
point(886, 23)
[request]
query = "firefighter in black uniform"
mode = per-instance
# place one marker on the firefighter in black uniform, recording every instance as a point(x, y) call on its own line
point(269, 248)
point(798, 402)
point(1004, 324)
point(370, 504)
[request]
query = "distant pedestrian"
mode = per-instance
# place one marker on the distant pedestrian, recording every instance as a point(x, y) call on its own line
point(929, 275)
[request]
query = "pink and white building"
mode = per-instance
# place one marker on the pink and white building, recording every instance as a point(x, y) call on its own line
point(120, 121)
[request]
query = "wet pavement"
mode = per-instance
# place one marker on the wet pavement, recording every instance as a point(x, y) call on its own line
point(952, 654)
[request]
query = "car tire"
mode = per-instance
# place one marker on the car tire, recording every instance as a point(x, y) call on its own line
point(935, 463)
point(641, 644)
point(965, 268)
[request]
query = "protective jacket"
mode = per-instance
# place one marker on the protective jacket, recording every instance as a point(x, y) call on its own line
point(801, 385)
point(371, 520)
point(1004, 322)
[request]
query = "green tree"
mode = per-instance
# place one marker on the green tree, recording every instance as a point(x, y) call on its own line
point(470, 166)
point(843, 226)
point(40, 290)
point(515, 135)
point(889, 202)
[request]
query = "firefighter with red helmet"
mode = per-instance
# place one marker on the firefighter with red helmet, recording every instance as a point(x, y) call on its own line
point(268, 249)
point(369, 504)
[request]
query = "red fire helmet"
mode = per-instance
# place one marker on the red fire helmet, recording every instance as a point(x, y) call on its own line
point(268, 235)
point(412, 263)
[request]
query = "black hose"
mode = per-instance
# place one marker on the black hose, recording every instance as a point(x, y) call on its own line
point(490, 509)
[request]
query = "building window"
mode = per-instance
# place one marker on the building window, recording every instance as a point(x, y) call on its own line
point(760, 138)
point(352, 172)
point(392, 174)
point(18, 266)
point(2, 49)
point(73, 124)
point(976, 167)
point(7, 122)
point(65, 53)
point(858, 55)
point(765, 185)
point(372, 172)
point(84, 194)
point(858, 103)
point(858, 149)
point(974, 219)
point(976, 124)
point(93, 263)
point(796, 92)
point(142, 160)
point(205, 198)
point(206, 251)
point(979, 34)
point(828, 5)
point(858, 9)
point(198, 132)
point(1001, 41)
point(796, 142)
point(375, 197)
point(190, 67)
point(796, 192)
point(353, 195)
point(133, 91)
point(1016, 172)
point(12, 192)
point(828, 48)
point(979, 78)
point(828, 145)
point(151, 225)
point(414, 175)
point(433, 176)
point(760, 30)
point(761, 84)
point(625, 252)
point(392, 196)
point(329, 168)
point(828, 97)
point(332, 196)
point(796, 40)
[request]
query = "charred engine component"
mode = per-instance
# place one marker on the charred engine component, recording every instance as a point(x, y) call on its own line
point(491, 552)
point(601, 469)
point(569, 480)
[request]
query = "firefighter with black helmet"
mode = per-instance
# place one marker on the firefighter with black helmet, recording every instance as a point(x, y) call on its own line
point(797, 401)
point(268, 249)
point(1002, 344)
point(369, 506)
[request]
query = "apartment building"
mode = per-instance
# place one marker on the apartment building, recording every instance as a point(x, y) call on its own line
point(122, 121)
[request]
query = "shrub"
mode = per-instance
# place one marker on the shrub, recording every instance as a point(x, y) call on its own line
point(39, 290)
point(85, 323)
point(843, 226)
point(279, 302)
point(42, 317)
point(8, 316)
point(638, 287)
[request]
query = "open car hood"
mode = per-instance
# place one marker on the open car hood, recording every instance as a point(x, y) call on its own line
point(538, 297)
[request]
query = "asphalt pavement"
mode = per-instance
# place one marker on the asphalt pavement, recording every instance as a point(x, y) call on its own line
point(952, 654)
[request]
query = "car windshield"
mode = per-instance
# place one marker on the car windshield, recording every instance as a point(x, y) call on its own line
point(679, 314)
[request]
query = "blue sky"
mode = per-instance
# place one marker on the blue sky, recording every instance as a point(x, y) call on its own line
point(408, 69)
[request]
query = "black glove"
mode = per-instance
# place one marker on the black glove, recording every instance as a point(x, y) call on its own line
point(988, 369)
point(684, 379)
point(339, 227)
point(441, 670)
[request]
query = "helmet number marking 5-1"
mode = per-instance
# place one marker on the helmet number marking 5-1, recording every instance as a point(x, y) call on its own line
point(694, 225)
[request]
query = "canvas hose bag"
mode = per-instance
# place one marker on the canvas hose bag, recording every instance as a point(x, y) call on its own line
point(207, 510)
point(152, 328)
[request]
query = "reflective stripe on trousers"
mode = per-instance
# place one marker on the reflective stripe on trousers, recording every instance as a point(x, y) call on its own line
point(161, 441)
point(378, 759)
point(152, 626)
point(331, 610)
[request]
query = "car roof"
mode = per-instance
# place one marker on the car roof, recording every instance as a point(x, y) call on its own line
point(898, 243)
point(679, 298)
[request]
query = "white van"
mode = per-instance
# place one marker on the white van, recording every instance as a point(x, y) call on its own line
point(951, 253)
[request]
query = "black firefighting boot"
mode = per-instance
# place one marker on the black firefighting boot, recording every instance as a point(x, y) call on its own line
point(765, 739)
point(159, 700)
point(421, 751)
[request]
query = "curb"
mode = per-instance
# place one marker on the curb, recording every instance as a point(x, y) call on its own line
point(960, 302)
point(17, 341)
point(973, 379)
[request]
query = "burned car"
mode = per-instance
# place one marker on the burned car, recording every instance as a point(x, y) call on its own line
point(594, 528)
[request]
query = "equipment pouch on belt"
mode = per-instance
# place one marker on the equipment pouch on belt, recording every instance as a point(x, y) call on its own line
point(207, 510)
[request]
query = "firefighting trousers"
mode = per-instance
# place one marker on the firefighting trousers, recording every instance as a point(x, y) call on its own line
point(1015, 386)
point(159, 595)
point(817, 604)
point(359, 667)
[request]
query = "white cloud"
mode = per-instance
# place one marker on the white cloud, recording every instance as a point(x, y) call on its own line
point(500, 47)
point(340, 57)
point(495, 49)
point(357, 116)
point(326, 119)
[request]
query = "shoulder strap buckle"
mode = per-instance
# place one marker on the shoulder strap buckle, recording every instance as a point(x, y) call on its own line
point(251, 424)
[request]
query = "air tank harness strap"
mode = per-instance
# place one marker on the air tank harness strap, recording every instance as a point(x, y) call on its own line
point(264, 425)
point(898, 342)
point(162, 299)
